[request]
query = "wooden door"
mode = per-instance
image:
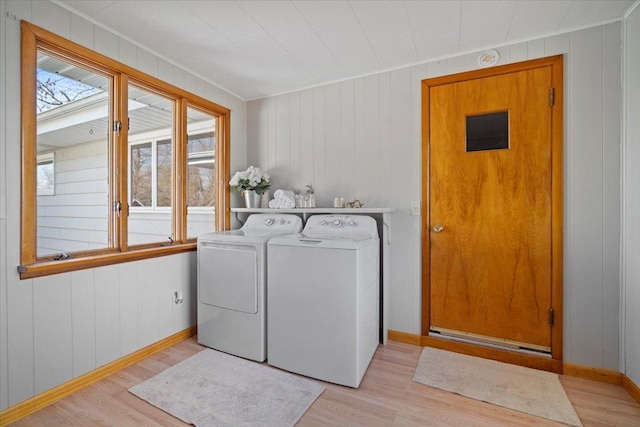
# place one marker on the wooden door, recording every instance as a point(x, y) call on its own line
point(493, 205)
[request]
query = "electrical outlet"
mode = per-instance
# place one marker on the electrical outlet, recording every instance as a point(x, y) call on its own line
point(177, 299)
point(415, 208)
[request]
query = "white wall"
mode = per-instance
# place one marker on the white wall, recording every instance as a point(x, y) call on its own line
point(55, 328)
point(362, 138)
point(631, 199)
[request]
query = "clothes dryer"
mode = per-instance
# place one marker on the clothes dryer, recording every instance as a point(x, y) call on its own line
point(231, 284)
point(323, 298)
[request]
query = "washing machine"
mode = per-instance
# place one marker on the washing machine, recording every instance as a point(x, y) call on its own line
point(231, 284)
point(323, 298)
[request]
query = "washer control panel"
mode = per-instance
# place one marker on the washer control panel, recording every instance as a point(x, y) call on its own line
point(337, 223)
point(341, 226)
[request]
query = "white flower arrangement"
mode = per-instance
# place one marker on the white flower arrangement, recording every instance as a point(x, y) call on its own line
point(251, 179)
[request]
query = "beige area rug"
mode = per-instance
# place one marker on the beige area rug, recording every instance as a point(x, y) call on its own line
point(215, 389)
point(514, 387)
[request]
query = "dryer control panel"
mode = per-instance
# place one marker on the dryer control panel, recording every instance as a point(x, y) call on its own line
point(273, 223)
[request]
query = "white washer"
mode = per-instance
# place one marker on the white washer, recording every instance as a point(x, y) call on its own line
point(231, 284)
point(323, 298)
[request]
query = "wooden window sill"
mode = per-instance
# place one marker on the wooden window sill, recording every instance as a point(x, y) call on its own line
point(63, 266)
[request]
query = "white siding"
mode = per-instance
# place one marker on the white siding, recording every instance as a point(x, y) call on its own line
point(75, 217)
point(55, 328)
point(361, 138)
point(631, 198)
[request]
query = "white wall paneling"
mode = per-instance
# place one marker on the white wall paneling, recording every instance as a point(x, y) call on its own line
point(107, 292)
point(364, 139)
point(128, 306)
point(83, 320)
point(56, 328)
point(631, 200)
point(585, 176)
point(611, 116)
point(52, 331)
point(4, 369)
point(148, 298)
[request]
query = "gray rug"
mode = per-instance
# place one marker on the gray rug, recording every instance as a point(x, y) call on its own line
point(514, 387)
point(215, 389)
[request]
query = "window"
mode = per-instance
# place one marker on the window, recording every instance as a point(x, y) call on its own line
point(118, 165)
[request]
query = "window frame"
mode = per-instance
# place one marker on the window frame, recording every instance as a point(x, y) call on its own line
point(36, 39)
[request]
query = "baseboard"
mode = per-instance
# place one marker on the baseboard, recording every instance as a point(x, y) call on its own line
point(596, 374)
point(404, 337)
point(42, 400)
point(631, 387)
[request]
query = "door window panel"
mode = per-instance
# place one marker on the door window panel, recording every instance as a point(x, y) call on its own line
point(488, 131)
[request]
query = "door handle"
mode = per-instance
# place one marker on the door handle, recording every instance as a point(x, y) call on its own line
point(438, 228)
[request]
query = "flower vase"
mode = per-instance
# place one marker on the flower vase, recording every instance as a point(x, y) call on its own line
point(252, 199)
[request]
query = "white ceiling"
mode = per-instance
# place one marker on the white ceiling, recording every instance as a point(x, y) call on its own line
point(255, 49)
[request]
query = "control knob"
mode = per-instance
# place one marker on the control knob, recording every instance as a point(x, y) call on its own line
point(337, 223)
point(268, 222)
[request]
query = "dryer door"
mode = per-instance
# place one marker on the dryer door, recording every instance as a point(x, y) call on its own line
point(228, 276)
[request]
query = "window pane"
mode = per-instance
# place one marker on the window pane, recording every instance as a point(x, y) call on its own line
point(164, 172)
point(140, 168)
point(201, 172)
point(72, 106)
point(45, 175)
point(150, 124)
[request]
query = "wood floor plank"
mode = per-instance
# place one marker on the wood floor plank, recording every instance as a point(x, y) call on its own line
point(387, 397)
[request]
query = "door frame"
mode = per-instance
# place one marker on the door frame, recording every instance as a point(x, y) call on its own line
point(554, 363)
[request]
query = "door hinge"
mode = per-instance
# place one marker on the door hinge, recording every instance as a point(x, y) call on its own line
point(551, 316)
point(552, 97)
point(117, 126)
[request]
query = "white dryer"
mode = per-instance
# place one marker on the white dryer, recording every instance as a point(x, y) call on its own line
point(231, 284)
point(323, 298)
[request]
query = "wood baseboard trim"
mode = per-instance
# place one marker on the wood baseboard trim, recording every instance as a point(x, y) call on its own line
point(48, 397)
point(590, 373)
point(631, 387)
point(404, 337)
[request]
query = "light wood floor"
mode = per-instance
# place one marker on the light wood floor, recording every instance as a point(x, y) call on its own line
point(386, 397)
